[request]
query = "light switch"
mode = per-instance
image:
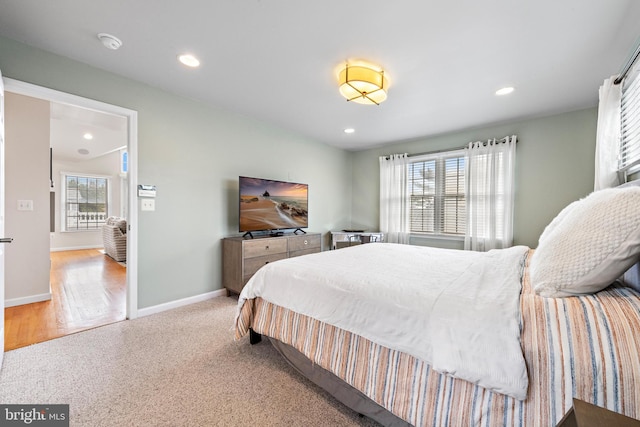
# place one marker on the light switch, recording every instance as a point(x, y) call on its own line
point(25, 205)
point(148, 205)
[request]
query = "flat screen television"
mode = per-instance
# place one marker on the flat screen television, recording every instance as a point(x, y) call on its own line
point(270, 205)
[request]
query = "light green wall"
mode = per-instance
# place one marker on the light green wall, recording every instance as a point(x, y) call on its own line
point(194, 154)
point(554, 166)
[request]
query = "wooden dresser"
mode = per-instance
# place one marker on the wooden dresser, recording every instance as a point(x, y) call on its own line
point(241, 257)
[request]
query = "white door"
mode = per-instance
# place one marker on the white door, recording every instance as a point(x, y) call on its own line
point(2, 219)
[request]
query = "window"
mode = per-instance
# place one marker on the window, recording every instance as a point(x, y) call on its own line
point(437, 192)
point(630, 124)
point(124, 161)
point(85, 201)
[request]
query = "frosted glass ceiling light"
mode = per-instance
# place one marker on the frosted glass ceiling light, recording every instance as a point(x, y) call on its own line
point(364, 84)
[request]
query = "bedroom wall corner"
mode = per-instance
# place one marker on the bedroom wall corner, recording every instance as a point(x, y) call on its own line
point(555, 166)
point(194, 154)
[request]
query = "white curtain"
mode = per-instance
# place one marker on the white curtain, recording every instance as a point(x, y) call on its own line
point(489, 176)
point(608, 135)
point(394, 203)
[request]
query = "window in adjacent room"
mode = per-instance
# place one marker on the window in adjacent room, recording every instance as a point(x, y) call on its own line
point(437, 192)
point(124, 161)
point(85, 202)
point(630, 124)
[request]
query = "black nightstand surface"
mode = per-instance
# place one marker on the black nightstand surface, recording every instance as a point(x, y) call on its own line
point(585, 414)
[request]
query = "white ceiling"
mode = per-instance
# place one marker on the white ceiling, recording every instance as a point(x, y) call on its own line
point(69, 124)
point(276, 60)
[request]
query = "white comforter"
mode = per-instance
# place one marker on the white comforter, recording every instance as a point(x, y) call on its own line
point(458, 311)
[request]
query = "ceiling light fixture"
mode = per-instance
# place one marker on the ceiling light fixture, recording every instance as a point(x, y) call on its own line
point(189, 60)
point(349, 130)
point(109, 41)
point(87, 136)
point(363, 83)
point(83, 151)
point(504, 91)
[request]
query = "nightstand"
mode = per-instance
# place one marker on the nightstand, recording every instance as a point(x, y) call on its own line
point(585, 414)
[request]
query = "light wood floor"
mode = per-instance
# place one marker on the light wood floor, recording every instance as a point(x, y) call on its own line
point(88, 290)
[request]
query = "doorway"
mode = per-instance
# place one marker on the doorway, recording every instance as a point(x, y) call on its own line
point(80, 256)
point(88, 290)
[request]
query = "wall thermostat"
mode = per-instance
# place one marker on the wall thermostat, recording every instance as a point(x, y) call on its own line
point(146, 190)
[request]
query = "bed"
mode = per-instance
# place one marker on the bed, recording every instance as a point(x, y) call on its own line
point(555, 323)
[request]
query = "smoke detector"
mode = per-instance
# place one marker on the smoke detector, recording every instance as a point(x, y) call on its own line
point(109, 41)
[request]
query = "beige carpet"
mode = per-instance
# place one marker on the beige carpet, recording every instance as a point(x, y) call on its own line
point(177, 368)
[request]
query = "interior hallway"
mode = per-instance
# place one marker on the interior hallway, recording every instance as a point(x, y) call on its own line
point(88, 289)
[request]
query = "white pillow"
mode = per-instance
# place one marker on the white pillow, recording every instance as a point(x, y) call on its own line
point(591, 246)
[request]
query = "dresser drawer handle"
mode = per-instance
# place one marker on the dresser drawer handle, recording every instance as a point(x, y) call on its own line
point(306, 242)
point(266, 248)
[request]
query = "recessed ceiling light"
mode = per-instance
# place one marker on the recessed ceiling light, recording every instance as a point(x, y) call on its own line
point(87, 136)
point(83, 151)
point(505, 90)
point(189, 60)
point(349, 130)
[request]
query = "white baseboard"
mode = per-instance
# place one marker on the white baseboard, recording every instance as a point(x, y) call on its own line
point(180, 303)
point(27, 300)
point(76, 248)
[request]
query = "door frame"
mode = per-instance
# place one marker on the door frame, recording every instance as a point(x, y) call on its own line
point(2, 182)
point(34, 91)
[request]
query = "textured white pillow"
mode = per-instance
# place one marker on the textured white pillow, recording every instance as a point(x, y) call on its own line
point(591, 246)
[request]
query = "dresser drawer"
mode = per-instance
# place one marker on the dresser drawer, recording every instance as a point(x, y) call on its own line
point(304, 243)
point(242, 257)
point(304, 252)
point(263, 247)
point(251, 265)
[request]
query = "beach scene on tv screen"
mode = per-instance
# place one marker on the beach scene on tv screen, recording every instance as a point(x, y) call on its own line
point(271, 205)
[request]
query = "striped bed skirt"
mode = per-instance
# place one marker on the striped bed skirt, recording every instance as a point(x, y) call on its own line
point(585, 347)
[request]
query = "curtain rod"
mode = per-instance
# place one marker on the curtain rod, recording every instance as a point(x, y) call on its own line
point(452, 149)
point(627, 66)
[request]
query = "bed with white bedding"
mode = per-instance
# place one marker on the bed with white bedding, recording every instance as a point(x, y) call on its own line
point(434, 337)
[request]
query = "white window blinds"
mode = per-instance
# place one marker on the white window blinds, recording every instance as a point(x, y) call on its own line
point(630, 124)
point(437, 192)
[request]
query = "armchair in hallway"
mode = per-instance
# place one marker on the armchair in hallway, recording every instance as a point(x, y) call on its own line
point(114, 236)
